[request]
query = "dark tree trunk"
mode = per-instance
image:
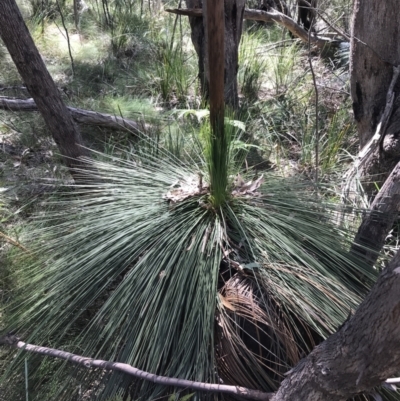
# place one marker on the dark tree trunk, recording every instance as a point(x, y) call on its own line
point(40, 85)
point(375, 51)
point(199, 43)
point(234, 10)
point(307, 14)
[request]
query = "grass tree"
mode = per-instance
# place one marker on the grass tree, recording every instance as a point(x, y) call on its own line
point(194, 269)
point(147, 268)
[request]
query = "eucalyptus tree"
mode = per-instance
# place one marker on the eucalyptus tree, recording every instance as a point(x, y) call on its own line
point(375, 54)
point(375, 85)
point(30, 65)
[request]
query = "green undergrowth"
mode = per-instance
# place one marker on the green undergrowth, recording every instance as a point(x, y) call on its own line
point(148, 240)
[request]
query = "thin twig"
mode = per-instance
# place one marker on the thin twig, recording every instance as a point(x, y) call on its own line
point(13, 242)
point(13, 341)
point(67, 35)
point(316, 109)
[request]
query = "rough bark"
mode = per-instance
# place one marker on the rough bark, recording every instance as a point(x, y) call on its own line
point(79, 115)
point(234, 10)
point(375, 51)
point(199, 43)
point(214, 25)
point(40, 85)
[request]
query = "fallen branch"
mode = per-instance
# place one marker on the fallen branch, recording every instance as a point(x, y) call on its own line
point(267, 16)
point(79, 115)
point(13, 341)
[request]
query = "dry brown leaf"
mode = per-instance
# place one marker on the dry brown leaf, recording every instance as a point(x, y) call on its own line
point(183, 189)
point(248, 188)
point(226, 303)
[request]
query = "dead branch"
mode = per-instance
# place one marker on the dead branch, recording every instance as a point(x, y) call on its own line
point(79, 115)
point(267, 16)
point(13, 341)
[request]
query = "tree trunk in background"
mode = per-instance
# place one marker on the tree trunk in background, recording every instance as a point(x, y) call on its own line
point(234, 10)
point(375, 50)
point(40, 85)
point(199, 43)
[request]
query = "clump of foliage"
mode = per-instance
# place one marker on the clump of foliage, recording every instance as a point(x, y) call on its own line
point(143, 267)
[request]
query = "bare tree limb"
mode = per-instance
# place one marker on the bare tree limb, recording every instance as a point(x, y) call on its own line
point(13, 341)
point(79, 115)
point(379, 220)
point(267, 16)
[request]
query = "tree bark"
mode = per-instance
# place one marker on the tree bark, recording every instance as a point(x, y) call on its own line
point(199, 42)
point(375, 51)
point(234, 10)
point(40, 85)
point(82, 116)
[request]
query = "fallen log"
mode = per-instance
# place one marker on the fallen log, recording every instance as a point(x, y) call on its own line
point(79, 115)
point(268, 16)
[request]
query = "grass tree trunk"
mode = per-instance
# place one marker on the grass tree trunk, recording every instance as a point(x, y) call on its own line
point(215, 32)
point(40, 85)
point(234, 10)
point(375, 51)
